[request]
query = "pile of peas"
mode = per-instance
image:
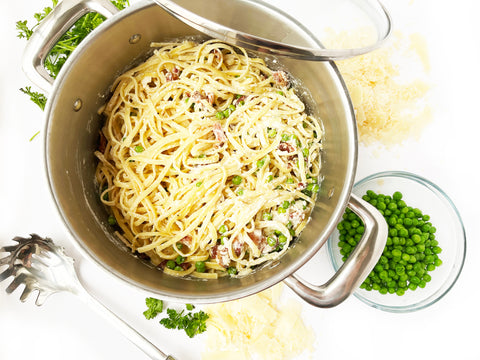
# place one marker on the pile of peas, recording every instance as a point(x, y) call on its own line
point(411, 251)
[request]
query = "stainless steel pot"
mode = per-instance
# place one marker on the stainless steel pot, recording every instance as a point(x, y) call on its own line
point(71, 136)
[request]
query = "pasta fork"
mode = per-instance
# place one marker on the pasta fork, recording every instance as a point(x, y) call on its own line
point(42, 266)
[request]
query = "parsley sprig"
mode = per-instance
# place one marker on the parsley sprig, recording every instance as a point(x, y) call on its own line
point(192, 323)
point(38, 98)
point(155, 307)
point(65, 46)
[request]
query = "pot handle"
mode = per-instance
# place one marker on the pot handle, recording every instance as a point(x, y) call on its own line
point(356, 268)
point(51, 29)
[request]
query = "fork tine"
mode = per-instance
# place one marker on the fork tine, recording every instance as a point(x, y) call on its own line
point(42, 296)
point(7, 273)
point(9, 248)
point(5, 260)
point(15, 283)
point(27, 291)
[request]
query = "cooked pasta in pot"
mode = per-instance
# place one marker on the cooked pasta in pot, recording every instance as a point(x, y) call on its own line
point(208, 160)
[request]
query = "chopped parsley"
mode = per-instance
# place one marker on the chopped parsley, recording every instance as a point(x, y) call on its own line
point(192, 323)
point(67, 43)
point(155, 307)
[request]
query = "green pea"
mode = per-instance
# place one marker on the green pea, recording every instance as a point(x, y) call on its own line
point(232, 270)
point(260, 163)
point(267, 216)
point(139, 148)
point(285, 204)
point(237, 180)
point(200, 266)
point(171, 264)
point(271, 241)
point(111, 220)
point(397, 195)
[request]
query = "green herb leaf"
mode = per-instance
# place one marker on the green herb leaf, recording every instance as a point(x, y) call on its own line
point(191, 323)
point(38, 98)
point(155, 307)
point(67, 43)
point(34, 135)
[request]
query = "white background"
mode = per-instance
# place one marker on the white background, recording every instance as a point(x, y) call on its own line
point(446, 153)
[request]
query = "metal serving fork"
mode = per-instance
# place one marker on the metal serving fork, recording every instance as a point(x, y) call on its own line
point(44, 267)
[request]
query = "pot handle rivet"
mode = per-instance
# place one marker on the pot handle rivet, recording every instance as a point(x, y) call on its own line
point(135, 38)
point(77, 105)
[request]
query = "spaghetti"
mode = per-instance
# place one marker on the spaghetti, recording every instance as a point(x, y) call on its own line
point(208, 160)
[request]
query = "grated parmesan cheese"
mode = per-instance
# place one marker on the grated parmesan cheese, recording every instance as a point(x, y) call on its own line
point(388, 87)
point(257, 327)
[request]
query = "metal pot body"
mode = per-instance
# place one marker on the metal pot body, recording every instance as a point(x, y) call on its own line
point(71, 137)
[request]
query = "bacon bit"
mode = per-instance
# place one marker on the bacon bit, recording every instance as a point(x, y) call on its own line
point(197, 96)
point(259, 240)
point(238, 245)
point(172, 75)
point(220, 253)
point(162, 264)
point(281, 78)
point(296, 216)
point(219, 134)
point(283, 146)
point(218, 55)
point(256, 236)
point(213, 252)
point(185, 266)
point(301, 186)
point(102, 145)
point(291, 161)
point(210, 97)
point(187, 240)
point(237, 101)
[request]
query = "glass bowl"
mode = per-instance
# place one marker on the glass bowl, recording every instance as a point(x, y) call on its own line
point(431, 200)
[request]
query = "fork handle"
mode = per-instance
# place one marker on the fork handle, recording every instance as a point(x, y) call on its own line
point(130, 333)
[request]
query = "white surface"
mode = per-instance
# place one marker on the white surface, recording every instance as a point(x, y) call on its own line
point(447, 154)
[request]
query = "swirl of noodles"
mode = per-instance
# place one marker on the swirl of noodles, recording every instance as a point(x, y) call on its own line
point(207, 160)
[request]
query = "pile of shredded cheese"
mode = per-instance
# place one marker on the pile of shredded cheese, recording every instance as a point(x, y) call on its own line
point(388, 87)
point(257, 327)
